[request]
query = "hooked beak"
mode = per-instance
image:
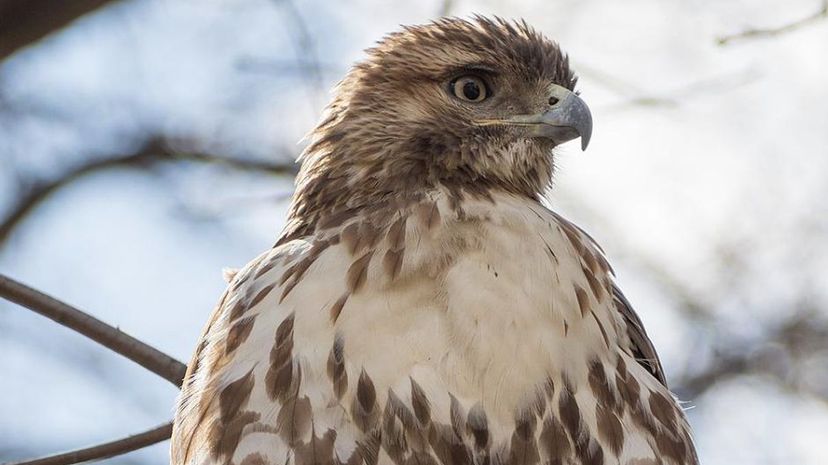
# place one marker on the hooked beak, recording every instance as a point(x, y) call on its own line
point(566, 118)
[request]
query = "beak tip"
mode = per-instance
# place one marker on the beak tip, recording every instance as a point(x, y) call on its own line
point(585, 126)
point(580, 119)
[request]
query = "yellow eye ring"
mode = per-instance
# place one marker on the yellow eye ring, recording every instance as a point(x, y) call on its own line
point(469, 88)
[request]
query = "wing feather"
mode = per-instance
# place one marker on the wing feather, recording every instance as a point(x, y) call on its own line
point(642, 346)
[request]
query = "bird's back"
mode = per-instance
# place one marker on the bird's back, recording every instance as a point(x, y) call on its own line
point(480, 329)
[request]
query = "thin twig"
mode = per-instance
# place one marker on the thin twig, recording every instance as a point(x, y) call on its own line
point(637, 96)
point(151, 153)
point(106, 450)
point(112, 338)
point(775, 31)
point(305, 46)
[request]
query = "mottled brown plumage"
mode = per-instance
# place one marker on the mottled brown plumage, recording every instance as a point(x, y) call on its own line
point(392, 132)
point(422, 306)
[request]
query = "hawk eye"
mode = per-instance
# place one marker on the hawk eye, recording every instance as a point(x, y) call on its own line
point(469, 88)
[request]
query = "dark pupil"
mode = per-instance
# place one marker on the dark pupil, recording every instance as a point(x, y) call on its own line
point(471, 90)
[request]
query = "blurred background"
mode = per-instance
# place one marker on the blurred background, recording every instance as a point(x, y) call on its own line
point(147, 144)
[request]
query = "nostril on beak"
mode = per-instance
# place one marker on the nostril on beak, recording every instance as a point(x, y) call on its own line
point(553, 101)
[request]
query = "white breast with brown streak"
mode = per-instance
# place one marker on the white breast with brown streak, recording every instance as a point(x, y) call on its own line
point(448, 331)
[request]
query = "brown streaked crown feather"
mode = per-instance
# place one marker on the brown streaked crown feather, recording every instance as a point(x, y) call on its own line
point(392, 130)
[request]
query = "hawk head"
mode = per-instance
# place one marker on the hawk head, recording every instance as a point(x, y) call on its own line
point(475, 105)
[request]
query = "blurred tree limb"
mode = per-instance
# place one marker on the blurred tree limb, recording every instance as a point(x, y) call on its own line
point(776, 356)
point(112, 338)
point(154, 151)
point(635, 95)
point(24, 22)
point(753, 33)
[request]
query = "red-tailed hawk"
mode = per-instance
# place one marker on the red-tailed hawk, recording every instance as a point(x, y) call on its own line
point(422, 305)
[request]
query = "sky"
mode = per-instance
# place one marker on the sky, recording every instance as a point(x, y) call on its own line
point(707, 165)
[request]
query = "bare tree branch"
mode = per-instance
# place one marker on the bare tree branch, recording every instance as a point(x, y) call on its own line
point(112, 338)
point(106, 450)
point(775, 31)
point(23, 22)
point(151, 153)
